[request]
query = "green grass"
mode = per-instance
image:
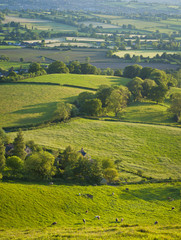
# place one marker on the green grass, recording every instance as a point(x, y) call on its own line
point(9, 47)
point(28, 210)
point(144, 53)
point(34, 55)
point(15, 65)
point(31, 104)
point(90, 81)
point(153, 149)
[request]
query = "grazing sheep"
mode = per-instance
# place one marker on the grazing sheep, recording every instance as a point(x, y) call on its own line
point(98, 217)
point(90, 196)
point(156, 222)
point(86, 211)
point(54, 223)
point(79, 194)
point(50, 183)
point(113, 193)
point(122, 219)
point(84, 221)
point(117, 220)
point(173, 208)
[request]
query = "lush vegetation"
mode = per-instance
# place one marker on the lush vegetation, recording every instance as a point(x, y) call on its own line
point(137, 146)
point(30, 209)
point(92, 116)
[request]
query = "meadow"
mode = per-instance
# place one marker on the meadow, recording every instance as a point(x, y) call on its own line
point(40, 24)
point(153, 149)
point(32, 104)
point(15, 65)
point(144, 53)
point(87, 81)
point(28, 210)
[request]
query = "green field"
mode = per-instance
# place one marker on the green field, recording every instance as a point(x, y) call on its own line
point(144, 53)
point(28, 210)
point(15, 65)
point(32, 104)
point(89, 81)
point(153, 149)
point(40, 24)
point(35, 55)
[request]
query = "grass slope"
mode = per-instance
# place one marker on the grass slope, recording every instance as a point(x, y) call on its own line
point(23, 104)
point(153, 149)
point(90, 81)
point(28, 210)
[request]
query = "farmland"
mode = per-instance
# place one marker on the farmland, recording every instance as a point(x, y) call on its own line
point(131, 167)
point(39, 206)
point(144, 53)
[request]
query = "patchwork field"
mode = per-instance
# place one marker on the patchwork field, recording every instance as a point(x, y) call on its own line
point(40, 24)
point(28, 210)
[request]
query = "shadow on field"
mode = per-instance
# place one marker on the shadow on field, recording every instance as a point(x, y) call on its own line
point(150, 194)
point(44, 111)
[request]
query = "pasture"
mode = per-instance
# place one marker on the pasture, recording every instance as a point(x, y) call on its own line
point(15, 65)
point(40, 24)
point(28, 210)
point(153, 149)
point(23, 104)
point(80, 80)
point(144, 53)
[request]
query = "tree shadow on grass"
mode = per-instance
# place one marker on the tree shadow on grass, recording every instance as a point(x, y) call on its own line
point(44, 110)
point(151, 194)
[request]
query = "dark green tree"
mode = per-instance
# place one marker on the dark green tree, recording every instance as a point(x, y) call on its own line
point(57, 67)
point(158, 93)
point(147, 86)
point(132, 71)
point(135, 87)
point(92, 107)
point(19, 146)
point(159, 76)
point(118, 99)
point(103, 92)
point(145, 72)
point(34, 67)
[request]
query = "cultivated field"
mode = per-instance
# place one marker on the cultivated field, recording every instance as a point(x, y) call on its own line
point(28, 210)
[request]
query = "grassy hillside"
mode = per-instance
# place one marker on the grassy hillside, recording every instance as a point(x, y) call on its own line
point(153, 149)
point(90, 81)
point(30, 209)
point(23, 104)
